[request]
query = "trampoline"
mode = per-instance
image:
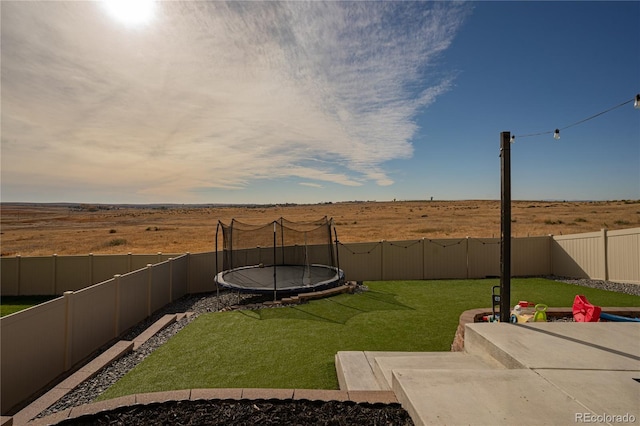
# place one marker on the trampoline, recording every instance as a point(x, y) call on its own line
point(281, 257)
point(289, 278)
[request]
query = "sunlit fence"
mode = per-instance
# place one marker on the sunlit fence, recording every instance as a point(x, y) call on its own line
point(102, 296)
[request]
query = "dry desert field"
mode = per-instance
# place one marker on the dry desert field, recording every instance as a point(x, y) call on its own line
point(42, 229)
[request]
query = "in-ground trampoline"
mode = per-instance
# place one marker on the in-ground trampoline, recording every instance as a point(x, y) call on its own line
point(279, 258)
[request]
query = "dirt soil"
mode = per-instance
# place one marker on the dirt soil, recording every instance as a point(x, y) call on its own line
point(249, 413)
point(67, 229)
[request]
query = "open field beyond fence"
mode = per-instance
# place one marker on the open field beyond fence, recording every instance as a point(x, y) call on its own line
point(41, 229)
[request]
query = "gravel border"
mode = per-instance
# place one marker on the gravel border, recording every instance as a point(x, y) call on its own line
point(626, 288)
point(89, 390)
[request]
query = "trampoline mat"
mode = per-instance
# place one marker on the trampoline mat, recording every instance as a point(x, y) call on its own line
point(288, 278)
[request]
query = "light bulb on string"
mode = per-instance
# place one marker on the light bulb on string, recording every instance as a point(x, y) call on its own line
point(556, 132)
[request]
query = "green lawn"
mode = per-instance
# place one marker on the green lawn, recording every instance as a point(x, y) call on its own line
point(11, 304)
point(294, 347)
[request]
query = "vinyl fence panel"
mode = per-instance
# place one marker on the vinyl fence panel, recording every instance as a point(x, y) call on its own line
point(484, 257)
point(445, 258)
point(402, 260)
point(531, 256)
point(93, 319)
point(623, 255)
point(32, 345)
point(72, 273)
point(361, 261)
point(579, 255)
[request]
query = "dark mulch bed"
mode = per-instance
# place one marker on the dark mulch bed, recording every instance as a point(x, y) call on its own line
point(244, 412)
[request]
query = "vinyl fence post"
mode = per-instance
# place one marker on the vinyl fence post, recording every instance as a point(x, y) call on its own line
point(605, 255)
point(116, 322)
point(424, 261)
point(551, 272)
point(54, 284)
point(68, 331)
point(188, 273)
point(382, 260)
point(466, 255)
point(18, 267)
point(170, 279)
point(90, 269)
point(149, 266)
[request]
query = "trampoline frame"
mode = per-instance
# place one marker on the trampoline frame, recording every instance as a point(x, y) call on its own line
point(333, 280)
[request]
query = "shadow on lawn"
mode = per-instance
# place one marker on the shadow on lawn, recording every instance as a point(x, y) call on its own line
point(338, 309)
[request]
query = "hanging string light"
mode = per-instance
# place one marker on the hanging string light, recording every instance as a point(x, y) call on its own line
point(556, 132)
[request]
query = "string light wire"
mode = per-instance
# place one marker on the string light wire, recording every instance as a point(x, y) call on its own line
point(557, 131)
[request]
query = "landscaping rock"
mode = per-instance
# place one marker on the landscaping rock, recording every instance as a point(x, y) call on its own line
point(244, 412)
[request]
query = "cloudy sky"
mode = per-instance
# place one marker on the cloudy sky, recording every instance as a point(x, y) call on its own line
point(270, 102)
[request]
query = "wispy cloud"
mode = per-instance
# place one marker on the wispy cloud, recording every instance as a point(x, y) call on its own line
point(311, 184)
point(216, 95)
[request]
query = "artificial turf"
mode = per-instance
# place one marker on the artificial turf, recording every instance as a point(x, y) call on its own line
point(13, 304)
point(294, 347)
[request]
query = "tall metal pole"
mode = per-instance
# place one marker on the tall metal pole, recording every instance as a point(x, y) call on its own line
point(505, 226)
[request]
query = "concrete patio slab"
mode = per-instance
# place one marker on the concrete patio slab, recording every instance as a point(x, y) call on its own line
point(385, 365)
point(597, 346)
point(610, 392)
point(354, 371)
point(482, 397)
point(383, 382)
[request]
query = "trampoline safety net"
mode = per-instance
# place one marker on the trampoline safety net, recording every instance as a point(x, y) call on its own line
point(280, 242)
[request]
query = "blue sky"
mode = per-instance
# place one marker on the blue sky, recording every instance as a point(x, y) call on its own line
point(211, 102)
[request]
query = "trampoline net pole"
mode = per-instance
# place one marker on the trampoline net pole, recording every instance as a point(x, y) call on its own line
point(215, 279)
point(306, 271)
point(281, 240)
point(337, 257)
point(275, 292)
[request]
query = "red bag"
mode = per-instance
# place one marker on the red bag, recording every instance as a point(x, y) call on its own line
point(583, 311)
